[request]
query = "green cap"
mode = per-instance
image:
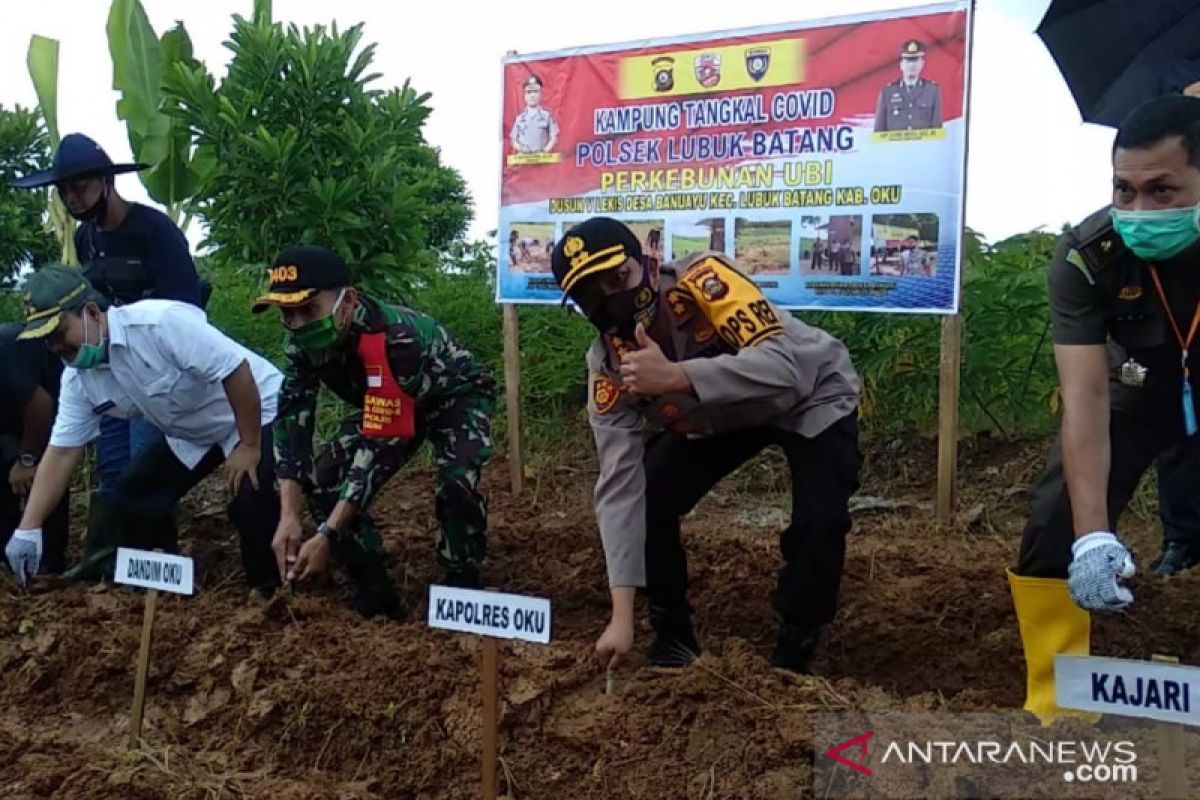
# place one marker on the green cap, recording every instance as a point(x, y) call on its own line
point(48, 294)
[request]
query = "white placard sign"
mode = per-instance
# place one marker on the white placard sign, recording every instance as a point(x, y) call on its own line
point(504, 616)
point(1147, 689)
point(150, 570)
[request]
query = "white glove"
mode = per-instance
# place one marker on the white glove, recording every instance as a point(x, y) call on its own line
point(1098, 565)
point(24, 553)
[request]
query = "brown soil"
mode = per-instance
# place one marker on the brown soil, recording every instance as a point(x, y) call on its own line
point(302, 699)
point(537, 262)
point(771, 260)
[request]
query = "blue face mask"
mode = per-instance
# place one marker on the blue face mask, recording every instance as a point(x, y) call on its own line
point(1158, 235)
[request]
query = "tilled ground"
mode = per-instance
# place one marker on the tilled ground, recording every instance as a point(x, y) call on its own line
point(302, 699)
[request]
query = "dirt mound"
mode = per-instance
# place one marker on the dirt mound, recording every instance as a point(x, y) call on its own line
point(299, 698)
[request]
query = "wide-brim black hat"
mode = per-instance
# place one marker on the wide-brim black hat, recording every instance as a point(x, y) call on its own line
point(77, 157)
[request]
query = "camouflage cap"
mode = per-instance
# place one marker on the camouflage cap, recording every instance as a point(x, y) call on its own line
point(49, 293)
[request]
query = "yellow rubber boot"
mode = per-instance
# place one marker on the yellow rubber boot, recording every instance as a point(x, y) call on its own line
point(1050, 623)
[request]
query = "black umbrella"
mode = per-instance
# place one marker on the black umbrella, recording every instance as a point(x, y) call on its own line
point(1116, 54)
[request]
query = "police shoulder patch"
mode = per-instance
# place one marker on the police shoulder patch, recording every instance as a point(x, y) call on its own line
point(731, 302)
point(605, 393)
point(705, 279)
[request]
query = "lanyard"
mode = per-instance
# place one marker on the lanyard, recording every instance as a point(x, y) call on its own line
point(1189, 410)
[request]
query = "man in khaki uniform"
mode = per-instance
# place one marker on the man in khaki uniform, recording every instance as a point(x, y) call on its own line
point(911, 102)
point(692, 374)
point(534, 130)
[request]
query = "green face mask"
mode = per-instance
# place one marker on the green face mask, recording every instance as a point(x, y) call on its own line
point(320, 334)
point(89, 356)
point(1158, 235)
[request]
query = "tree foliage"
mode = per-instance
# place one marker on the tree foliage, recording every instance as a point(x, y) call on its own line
point(1008, 376)
point(294, 146)
point(25, 239)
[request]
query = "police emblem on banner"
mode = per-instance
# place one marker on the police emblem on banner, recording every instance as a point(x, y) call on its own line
point(708, 69)
point(664, 73)
point(758, 61)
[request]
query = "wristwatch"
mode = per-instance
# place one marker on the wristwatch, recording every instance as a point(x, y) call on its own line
point(329, 532)
point(28, 460)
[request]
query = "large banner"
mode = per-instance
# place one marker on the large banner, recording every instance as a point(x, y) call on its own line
point(825, 157)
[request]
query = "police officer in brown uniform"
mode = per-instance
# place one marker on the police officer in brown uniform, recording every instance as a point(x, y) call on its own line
point(693, 372)
point(1129, 273)
point(912, 102)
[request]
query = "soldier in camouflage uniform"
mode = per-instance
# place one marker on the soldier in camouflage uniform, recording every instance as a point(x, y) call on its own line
point(412, 381)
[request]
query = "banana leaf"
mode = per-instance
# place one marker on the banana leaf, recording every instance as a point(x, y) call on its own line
point(42, 61)
point(139, 60)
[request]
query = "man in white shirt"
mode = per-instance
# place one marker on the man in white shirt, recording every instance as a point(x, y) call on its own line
point(161, 361)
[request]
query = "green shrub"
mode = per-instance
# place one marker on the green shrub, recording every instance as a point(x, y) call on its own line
point(10, 306)
point(553, 340)
point(25, 238)
point(1008, 377)
point(234, 291)
point(1008, 374)
point(294, 146)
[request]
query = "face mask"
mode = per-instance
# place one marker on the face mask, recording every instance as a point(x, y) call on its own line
point(96, 213)
point(320, 334)
point(89, 356)
point(1158, 235)
point(621, 311)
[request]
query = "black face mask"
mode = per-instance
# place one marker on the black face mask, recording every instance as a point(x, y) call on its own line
point(95, 214)
point(621, 311)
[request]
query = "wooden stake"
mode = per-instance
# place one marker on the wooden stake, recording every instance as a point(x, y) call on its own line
point(1172, 754)
point(490, 667)
point(143, 668)
point(512, 391)
point(949, 374)
point(948, 389)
